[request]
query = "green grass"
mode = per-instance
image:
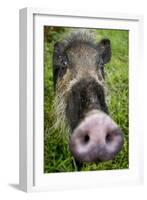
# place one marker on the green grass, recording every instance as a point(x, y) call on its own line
point(57, 157)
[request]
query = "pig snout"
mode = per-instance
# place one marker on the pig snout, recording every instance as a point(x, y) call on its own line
point(96, 138)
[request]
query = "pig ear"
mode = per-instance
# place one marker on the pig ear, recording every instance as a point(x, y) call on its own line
point(104, 48)
point(56, 61)
point(58, 48)
point(59, 62)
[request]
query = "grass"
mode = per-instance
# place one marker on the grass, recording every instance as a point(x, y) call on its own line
point(57, 157)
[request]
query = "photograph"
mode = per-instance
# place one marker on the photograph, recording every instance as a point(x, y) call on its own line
point(80, 100)
point(86, 99)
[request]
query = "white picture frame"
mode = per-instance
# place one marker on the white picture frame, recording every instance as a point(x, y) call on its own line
point(31, 175)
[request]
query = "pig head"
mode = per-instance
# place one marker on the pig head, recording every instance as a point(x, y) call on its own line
point(78, 69)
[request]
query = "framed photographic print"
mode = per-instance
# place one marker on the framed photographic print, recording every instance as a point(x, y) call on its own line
point(80, 120)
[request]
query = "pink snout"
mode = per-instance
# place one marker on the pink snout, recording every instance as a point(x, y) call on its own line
point(97, 138)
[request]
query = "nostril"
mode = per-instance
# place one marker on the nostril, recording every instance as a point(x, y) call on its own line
point(114, 136)
point(86, 139)
point(109, 138)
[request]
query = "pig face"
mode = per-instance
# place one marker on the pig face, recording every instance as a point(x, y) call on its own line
point(79, 79)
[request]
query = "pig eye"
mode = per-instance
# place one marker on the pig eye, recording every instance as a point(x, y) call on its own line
point(65, 63)
point(101, 64)
point(101, 67)
point(63, 60)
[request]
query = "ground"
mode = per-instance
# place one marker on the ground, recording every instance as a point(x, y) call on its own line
point(57, 157)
